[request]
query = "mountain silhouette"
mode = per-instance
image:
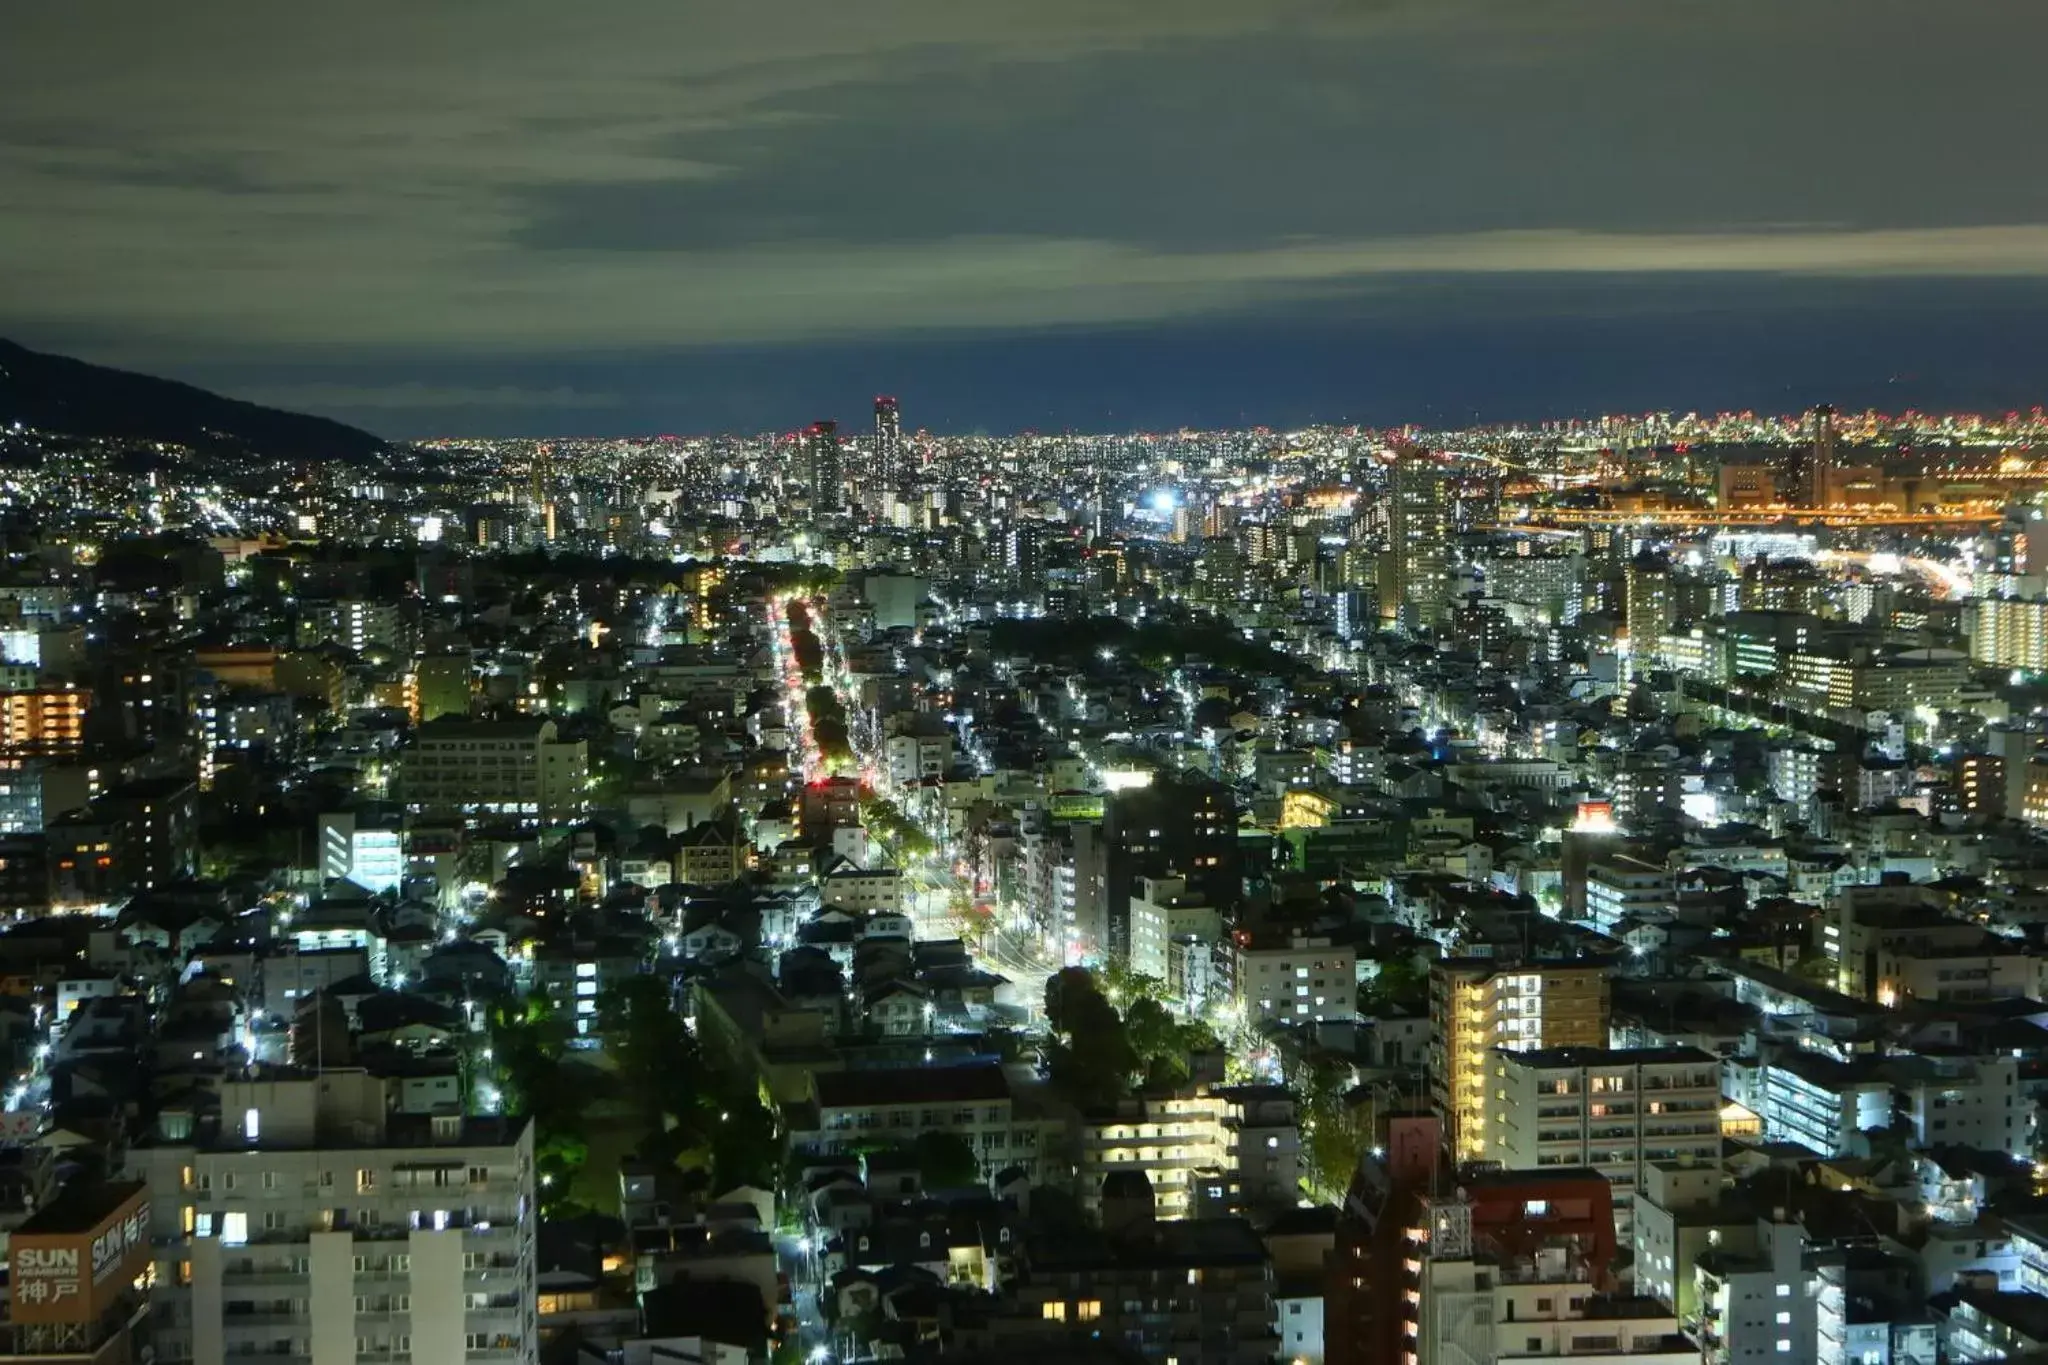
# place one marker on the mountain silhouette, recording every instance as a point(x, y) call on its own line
point(56, 394)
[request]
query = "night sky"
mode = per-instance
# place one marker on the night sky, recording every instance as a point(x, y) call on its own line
point(501, 217)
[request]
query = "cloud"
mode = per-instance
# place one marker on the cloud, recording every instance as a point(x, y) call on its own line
point(446, 181)
point(599, 300)
point(416, 397)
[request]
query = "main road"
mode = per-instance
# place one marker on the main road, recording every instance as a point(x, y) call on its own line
point(935, 884)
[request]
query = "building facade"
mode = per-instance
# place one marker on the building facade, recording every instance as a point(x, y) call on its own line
point(305, 1220)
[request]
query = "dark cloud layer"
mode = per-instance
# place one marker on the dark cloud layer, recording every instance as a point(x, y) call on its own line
point(643, 215)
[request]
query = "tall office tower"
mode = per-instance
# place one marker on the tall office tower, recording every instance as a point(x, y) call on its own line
point(888, 442)
point(1820, 463)
point(821, 456)
point(1414, 585)
point(305, 1218)
point(1649, 602)
point(1479, 1004)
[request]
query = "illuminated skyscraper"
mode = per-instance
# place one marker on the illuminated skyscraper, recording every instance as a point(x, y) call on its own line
point(1820, 463)
point(888, 442)
point(821, 455)
point(1649, 603)
point(1414, 586)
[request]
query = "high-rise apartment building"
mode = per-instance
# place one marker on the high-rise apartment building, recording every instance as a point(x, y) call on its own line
point(2009, 633)
point(1612, 1110)
point(1181, 825)
point(136, 836)
point(888, 442)
point(1414, 584)
point(822, 467)
point(43, 719)
point(1820, 461)
point(305, 1220)
point(357, 625)
point(1550, 585)
point(1649, 604)
point(1479, 1004)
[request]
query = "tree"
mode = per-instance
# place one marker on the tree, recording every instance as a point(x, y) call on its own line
point(946, 1161)
point(886, 821)
point(1332, 1141)
point(1092, 1058)
point(745, 1147)
point(557, 1158)
point(1062, 989)
point(1399, 981)
point(1162, 1044)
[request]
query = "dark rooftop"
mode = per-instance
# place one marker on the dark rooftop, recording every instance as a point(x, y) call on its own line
point(912, 1085)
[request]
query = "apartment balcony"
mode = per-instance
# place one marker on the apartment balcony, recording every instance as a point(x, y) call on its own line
point(262, 1279)
point(493, 1270)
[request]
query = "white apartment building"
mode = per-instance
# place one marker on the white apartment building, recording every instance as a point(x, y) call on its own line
point(1612, 1110)
point(305, 1221)
point(1618, 887)
point(1756, 1305)
point(1163, 911)
point(853, 888)
point(368, 855)
point(1964, 1102)
point(509, 767)
point(2009, 634)
point(853, 1109)
point(355, 625)
point(1679, 1216)
point(1472, 1297)
point(910, 759)
point(1206, 1151)
point(1795, 775)
point(1308, 980)
point(1818, 1102)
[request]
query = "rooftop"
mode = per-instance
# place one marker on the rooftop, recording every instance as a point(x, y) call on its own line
point(1562, 1058)
point(912, 1085)
point(81, 1207)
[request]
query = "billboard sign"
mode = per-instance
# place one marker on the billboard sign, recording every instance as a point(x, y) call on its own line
point(70, 1276)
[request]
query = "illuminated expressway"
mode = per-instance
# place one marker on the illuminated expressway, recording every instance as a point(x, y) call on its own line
point(1762, 516)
